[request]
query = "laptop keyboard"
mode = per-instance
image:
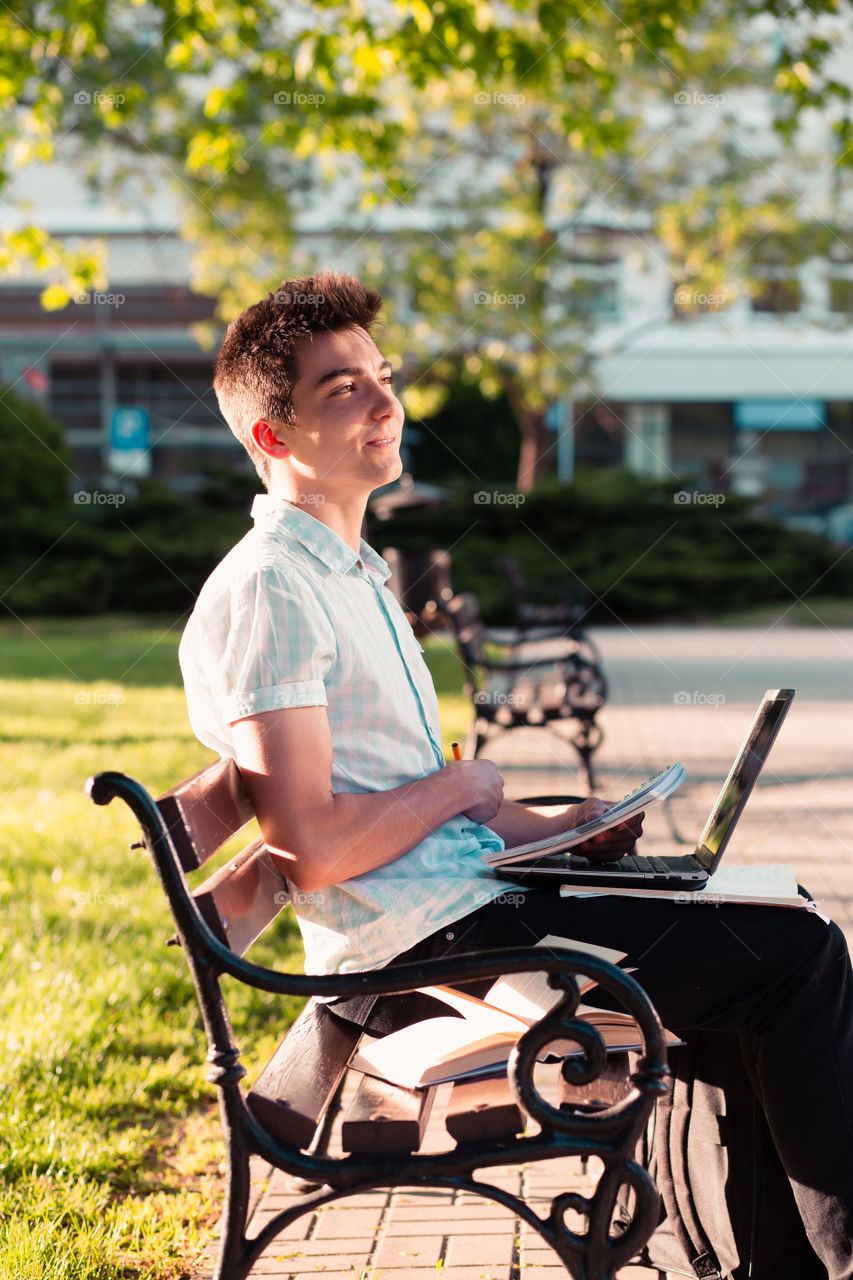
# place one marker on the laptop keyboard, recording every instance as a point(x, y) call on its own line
point(662, 866)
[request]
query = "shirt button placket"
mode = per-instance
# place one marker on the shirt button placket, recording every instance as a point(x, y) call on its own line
point(390, 621)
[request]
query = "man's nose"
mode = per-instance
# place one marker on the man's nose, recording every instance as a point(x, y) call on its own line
point(385, 402)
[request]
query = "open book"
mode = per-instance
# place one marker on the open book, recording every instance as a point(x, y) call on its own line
point(481, 1040)
point(657, 788)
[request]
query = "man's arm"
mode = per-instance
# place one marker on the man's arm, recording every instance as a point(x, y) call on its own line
point(323, 837)
point(520, 824)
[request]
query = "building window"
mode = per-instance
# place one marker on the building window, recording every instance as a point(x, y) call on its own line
point(841, 294)
point(75, 395)
point(778, 295)
point(175, 395)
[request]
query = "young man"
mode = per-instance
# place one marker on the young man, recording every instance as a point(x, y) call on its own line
point(299, 663)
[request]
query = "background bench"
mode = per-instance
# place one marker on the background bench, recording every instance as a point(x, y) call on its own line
point(287, 1116)
point(534, 677)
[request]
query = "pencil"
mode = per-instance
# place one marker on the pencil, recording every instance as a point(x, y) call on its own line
point(457, 754)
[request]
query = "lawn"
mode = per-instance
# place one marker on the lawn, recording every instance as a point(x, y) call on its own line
point(110, 1156)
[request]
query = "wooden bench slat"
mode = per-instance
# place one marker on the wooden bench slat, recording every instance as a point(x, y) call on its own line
point(384, 1117)
point(246, 894)
point(205, 810)
point(481, 1109)
point(611, 1086)
point(291, 1094)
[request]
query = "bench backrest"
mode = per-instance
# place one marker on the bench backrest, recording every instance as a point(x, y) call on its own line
point(245, 895)
point(463, 612)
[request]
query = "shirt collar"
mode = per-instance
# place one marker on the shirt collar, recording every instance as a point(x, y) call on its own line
point(280, 515)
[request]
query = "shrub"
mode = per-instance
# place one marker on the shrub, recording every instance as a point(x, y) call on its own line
point(639, 554)
point(35, 473)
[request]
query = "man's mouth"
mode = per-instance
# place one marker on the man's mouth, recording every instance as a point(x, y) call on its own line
point(383, 440)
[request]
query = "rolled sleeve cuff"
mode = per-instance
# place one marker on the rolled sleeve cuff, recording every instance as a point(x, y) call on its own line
point(296, 693)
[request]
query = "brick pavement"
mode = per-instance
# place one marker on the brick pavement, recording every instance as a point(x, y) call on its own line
point(801, 813)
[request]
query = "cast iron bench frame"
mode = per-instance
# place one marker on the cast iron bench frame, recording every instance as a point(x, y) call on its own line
point(537, 677)
point(536, 609)
point(286, 1117)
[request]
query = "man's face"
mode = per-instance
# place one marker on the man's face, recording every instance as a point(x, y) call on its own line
point(348, 420)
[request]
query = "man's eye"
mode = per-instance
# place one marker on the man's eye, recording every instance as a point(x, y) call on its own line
point(350, 386)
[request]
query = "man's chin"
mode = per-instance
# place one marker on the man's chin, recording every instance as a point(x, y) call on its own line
point(392, 472)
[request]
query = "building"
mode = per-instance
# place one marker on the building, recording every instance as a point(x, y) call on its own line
point(755, 398)
point(120, 367)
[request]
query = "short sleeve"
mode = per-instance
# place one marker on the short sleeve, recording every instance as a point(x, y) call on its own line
point(276, 645)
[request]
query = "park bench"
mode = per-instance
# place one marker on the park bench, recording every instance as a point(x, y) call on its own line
point(287, 1115)
point(535, 609)
point(527, 678)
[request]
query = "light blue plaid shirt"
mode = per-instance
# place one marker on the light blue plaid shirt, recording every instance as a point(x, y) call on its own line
point(293, 617)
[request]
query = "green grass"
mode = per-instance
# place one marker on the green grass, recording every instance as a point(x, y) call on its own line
point(110, 1154)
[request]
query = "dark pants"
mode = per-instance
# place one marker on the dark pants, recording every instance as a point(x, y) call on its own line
point(780, 978)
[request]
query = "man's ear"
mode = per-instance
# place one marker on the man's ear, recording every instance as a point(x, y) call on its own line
point(265, 437)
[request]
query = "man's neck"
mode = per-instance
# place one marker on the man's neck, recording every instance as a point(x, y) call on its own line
point(345, 518)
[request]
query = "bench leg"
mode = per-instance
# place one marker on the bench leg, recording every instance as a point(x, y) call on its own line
point(586, 741)
point(230, 1261)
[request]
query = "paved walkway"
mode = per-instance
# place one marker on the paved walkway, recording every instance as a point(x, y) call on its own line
point(676, 694)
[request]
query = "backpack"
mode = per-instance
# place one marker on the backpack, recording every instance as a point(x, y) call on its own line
point(728, 1209)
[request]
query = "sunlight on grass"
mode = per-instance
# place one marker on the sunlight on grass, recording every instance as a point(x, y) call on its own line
point(111, 1158)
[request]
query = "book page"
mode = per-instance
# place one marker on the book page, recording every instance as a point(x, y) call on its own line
point(770, 880)
point(482, 1017)
point(529, 995)
point(433, 1049)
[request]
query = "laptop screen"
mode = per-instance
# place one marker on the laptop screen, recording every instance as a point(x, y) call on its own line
point(741, 779)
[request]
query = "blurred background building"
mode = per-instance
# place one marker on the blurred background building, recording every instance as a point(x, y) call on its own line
point(755, 398)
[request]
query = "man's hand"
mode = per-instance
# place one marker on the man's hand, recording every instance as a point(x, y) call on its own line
point(484, 785)
point(608, 845)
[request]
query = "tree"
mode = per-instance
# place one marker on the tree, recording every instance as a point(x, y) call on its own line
point(253, 108)
point(497, 281)
point(35, 474)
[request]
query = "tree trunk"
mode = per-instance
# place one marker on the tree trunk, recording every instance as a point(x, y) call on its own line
point(535, 453)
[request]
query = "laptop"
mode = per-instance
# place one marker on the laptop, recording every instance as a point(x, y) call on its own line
point(684, 871)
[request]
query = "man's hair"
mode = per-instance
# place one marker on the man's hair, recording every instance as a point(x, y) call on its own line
point(256, 368)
